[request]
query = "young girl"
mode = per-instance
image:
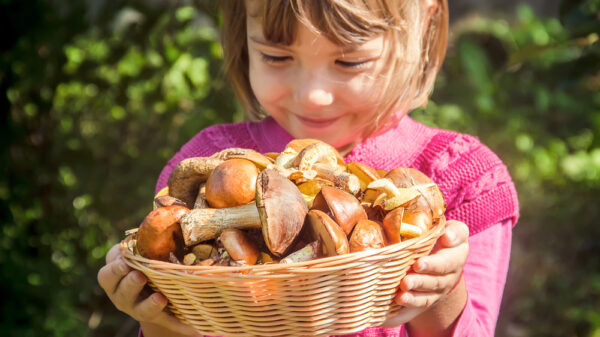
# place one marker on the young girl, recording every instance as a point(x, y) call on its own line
point(347, 72)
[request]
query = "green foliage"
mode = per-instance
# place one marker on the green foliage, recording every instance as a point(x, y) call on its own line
point(95, 111)
point(530, 89)
point(99, 95)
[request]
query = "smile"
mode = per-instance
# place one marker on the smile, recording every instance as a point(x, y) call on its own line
point(317, 122)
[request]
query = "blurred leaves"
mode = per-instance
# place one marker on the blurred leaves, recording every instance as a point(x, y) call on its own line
point(530, 89)
point(97, 103)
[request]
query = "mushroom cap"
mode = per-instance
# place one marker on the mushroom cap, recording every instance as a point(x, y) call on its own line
point(318, 152)
point(345, 209)
point(239, 246)
point(185, 179)
point(367, 234)
point(257, 158)
point(232, 183)
point(405, 224)
point(282, 210)
point(431, 200)
point(331, 236)
point(160, 233)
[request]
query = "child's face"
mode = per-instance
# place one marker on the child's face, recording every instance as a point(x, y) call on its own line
point(315, 88)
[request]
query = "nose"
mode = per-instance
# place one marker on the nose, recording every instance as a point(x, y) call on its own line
point(313, 92)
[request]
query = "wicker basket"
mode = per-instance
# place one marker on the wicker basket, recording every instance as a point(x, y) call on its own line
point(328, 296)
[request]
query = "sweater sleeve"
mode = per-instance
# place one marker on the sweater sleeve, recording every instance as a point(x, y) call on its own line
point(485, 276)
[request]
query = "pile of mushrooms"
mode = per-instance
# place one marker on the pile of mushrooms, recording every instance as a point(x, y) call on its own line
point(240, 207)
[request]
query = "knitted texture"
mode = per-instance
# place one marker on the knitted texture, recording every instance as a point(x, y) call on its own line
point(475, 183)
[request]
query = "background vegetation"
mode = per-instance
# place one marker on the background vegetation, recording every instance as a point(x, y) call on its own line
point(97, 95)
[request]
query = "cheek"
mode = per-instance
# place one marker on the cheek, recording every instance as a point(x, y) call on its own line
point(266, 85)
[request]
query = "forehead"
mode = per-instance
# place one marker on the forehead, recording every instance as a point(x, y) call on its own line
point(343, 23)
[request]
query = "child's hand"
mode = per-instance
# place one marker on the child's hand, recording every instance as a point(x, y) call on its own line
point(433, 276)
point(125, 286)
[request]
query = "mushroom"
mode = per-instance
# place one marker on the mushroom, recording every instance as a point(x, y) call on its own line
point(159, 235)
point(321, 159)
point(260, 160)
point(342, 206)
point(167, 200)
point(331, 237)
point(279, 210)
point(390, 196)
point(201, 201)
point(367, 234)
point(187, 176)
point(365, 173)
point(232, 183)
point(307, 253)
point(401, 223)
point(432, 199)
point(239, 246)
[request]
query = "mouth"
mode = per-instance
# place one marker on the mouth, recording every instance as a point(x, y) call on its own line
point(317, 122)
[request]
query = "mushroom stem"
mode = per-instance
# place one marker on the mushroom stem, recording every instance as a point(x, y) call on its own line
point(204, 224)
point(344, 180)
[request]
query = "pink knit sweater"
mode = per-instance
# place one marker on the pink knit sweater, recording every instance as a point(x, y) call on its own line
point(476, 185)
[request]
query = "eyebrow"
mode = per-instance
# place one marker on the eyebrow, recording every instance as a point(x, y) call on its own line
point(267, 43)
point(343, 51)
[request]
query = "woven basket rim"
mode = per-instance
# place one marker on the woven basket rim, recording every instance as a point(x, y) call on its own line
point(315, 265)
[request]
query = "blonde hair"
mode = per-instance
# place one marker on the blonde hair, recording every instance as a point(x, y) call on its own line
point(416, 52)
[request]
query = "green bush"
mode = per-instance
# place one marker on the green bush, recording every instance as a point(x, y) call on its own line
point(99, 95)
point(530, 89)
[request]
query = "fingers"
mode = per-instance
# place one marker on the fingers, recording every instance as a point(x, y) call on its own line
point(127, 292)
point(149, 308)
point(111, 274)
point(428, 283)
point(444, 261)
point(417, 299)
point(456, 233)
point(113, 253)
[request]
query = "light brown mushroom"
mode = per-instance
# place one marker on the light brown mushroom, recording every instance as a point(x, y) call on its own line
point(201, 201)
point(167, 200)
point(159, 235)
point(322, 158)
point(367, 234)
point(279, 210)
point(364, 172)
point(342, 206)
point(306, 253)
point(239, 246)
point(232, 183)
point(331, 237)
point(187, 176)
point(260, 160)
point(432, 199)
point(404, 223)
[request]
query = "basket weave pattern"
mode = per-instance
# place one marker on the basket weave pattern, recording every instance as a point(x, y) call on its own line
point(334, 295)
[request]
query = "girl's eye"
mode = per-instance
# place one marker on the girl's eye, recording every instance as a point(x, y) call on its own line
point(352, 65)
point(274, 59)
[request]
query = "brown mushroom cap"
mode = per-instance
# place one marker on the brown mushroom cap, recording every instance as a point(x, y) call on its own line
point(282, 210)
point(367, 234)
point(432, 199)
point(185, 179)
point(342, 206)
point(257, 158)
point(398, 223)
point(239, 246)
point(332, 239)
point(232, 183)
point(159, 235)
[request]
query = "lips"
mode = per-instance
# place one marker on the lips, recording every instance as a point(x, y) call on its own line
point(317, 122)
